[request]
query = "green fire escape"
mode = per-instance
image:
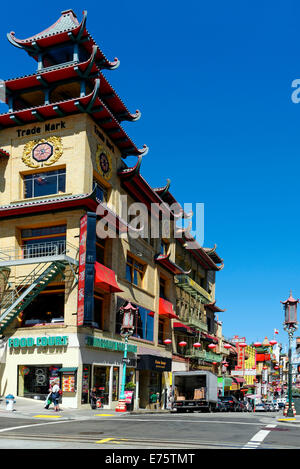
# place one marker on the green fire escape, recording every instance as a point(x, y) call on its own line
point(50, 263)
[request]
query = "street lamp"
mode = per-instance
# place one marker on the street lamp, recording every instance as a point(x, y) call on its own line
point(290, 325)
point(129, 314)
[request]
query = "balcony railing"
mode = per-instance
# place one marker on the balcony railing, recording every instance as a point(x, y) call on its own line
point(203, 355)
point(40, 252)
point(196, 323)
point(189, 285)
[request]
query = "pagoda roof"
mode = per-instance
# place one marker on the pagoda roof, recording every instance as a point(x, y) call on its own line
point(212, 253)
point(90, 104)
point(165, 194)
point(197, 251)
point(32, 206)
point(139, 189)
point(88, 69)
point(164, 261)
point(66, 28)
point(212, 306)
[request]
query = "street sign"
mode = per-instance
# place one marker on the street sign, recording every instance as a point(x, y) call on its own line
point(126, 360)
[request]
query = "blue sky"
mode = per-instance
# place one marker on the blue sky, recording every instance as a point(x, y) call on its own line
point(213, 83)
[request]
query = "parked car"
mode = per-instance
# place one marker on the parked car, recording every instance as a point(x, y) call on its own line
point(221, 406)
point(260, 408)
point(281, 405)
point(231, 403)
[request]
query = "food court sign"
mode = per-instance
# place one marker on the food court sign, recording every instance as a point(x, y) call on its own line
point(44, 341)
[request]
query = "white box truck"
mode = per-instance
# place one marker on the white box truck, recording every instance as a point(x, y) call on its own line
point(194, 390)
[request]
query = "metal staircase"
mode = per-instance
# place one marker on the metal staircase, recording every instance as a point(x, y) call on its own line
point(28, 289)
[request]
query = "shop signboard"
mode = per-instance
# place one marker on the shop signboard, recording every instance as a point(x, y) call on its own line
point(81, 270)
point(112, 345)
point(44, 341)
point(86, 269)
point(128, 396)
point(154, 362)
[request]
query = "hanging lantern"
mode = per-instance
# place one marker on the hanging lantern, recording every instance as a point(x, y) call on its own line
point(167, 341)
point(182, 343)
point(265, 367)
point(226, 364)
point(257, 344)
point(273, 342)
point(197, 345)
point(214, 363)
point(243, 345)
point(228, 346)
point(212, 346)
point(253, 367)
point(290, 311)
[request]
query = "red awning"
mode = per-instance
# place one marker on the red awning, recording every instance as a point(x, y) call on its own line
point(238, 380)
point(179, 325)
point(105, 279)
point(166, 309)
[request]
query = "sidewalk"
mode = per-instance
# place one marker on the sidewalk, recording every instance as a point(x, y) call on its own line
point(31, 408)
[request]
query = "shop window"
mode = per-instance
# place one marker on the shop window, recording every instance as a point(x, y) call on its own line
point(100, 250)
point(135, 271)
point(144, 323)
point(86, 380)
point(46, 241)
point(101, 382)
point(162, 288)
point(161, 328)
point(34, 380)
point(115, 389)
point(44, 183)
point(101, 192)
point(46, 308)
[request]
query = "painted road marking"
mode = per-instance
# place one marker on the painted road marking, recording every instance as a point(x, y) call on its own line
point(114, 440)
point(285, 420)
point(9, 429)
point(47, 416)
point(104, 415)
point(258, 438)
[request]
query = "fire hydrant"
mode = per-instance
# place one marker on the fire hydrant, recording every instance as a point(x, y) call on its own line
point(10, 401)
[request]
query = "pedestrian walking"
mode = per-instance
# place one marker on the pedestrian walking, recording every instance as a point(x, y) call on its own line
point(56, 393)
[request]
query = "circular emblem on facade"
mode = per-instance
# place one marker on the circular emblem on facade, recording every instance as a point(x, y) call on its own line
point(39, 153)
point(103, 162)
point(42, 152)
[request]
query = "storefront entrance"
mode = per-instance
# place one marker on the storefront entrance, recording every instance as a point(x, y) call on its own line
point(106, 381)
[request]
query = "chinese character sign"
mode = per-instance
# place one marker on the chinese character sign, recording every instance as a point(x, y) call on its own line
point(81, 272)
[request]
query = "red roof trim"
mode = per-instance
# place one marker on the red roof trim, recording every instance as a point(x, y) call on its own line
point(214, 308)
point(40, 206)
point(165, 262)
point(4, 153)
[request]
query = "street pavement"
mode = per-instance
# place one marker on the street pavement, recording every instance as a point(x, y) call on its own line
point(31, 408)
